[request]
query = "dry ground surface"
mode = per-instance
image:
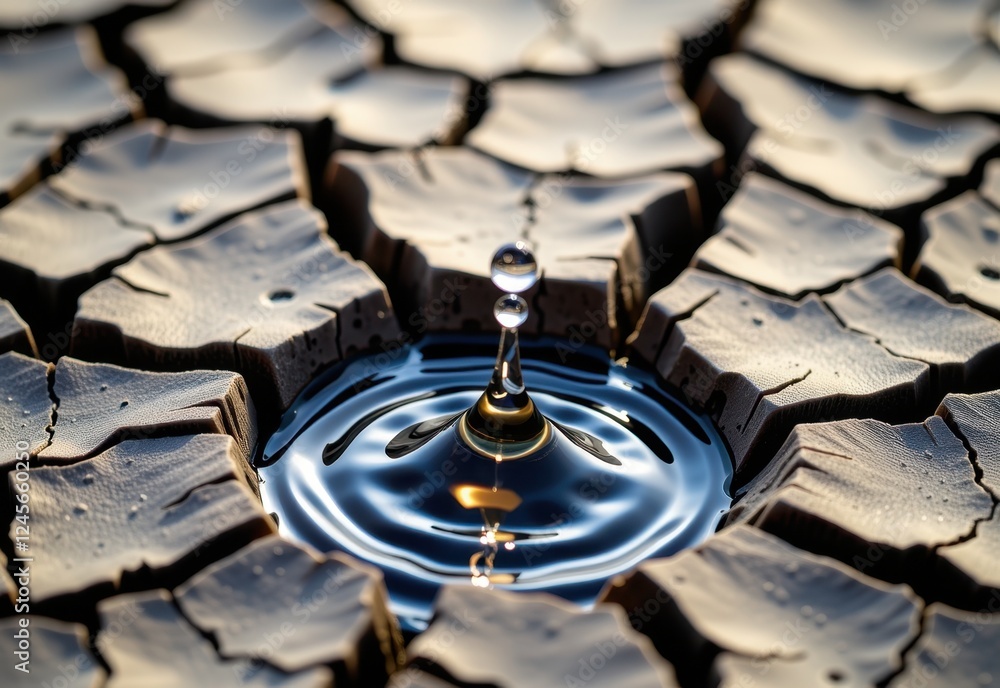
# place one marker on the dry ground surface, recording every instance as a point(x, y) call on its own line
point(790, 209)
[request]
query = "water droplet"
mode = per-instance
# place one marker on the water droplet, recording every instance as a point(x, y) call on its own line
point(133, 511)
point(511, 311)
point(514, 268)
point(143, 497)
point(123, 404)
point(258, 570)
point(278, 550)
point(928, 454)
point(27, 413)
point(88, 479)
point(820, 620)
point(807, 611)
point(81, 508)
point(768, 586)
point(985, 679)
point(509, 546)
point(104, 388)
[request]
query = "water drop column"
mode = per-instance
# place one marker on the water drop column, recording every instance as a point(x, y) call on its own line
point(505, 423)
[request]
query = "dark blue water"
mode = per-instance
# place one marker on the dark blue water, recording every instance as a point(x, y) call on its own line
point(370, 461)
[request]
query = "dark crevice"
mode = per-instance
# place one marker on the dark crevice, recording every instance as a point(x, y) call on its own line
point(106, 209)
point(869, 336)
point(338, 324)
point(827, 452)
point(680, 317)
point(141, 290)
point(420, 164)
point(977, 469)
point(187, 495)
point(50, 429)
point(729, 238)
point(921, 628)
point(237, 356)
point(768, 392)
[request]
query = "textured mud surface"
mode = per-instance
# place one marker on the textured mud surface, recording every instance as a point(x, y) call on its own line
point(789, 209)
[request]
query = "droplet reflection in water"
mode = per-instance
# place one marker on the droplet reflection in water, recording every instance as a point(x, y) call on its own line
point(370, 461)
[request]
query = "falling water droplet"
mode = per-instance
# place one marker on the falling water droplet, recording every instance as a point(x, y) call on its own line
point(511, 311)
point(514, 268)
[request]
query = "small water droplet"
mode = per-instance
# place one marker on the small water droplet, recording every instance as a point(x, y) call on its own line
point(820, 620)
point(104, 388)
point(133, 511)
point(511, 311)
point(123, 404)
point(985, 679)
point(88, 479)
point(928, 454)
point(509, 546)
point(768, 586)
point(807, 611)
point(758, 322)
point(142, 497)
point(81, 508)
point(514, 268)
point(27, 412)
point(279, 571)
point(278, 550)
point(258, 570)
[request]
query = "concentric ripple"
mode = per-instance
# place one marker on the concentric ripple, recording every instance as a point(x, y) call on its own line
point(370, 461)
